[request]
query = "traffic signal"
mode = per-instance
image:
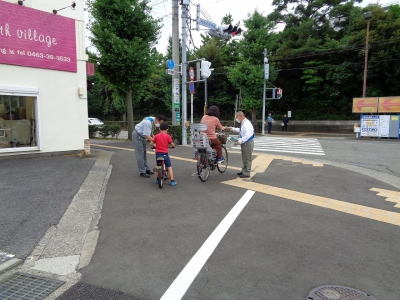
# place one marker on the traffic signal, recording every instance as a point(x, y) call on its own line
point(223, 31)
point(205, 69)
point(279, 93)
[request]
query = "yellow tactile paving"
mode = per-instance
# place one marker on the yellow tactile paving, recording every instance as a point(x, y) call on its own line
point(261, 163)
point(391, 196)
point(338, 205)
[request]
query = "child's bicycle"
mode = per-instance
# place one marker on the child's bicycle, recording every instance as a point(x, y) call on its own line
point(162, 171)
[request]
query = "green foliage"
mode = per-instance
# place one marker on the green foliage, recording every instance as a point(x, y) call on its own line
point(114, 130)
point(92, 131)
point(176, 133)
point(104, 131)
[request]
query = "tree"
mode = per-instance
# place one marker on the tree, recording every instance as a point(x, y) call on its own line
point(247, 74)
point(125, 34)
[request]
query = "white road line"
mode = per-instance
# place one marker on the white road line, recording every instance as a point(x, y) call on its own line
point(185, 278)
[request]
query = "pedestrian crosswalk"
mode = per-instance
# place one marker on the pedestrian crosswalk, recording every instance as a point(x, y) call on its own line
point(287, 145)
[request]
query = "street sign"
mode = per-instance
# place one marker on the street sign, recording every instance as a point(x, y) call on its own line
point(191, 87)
point(389, 104)
point(266, 71)
point(176, 90)
point(191, 73)
point(289, 114)
point(369, 125)
point(207, 24)
point(170, 64)
point(170, 72)
point(365, 105)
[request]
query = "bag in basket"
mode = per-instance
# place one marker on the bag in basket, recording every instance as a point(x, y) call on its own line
point(222, 138)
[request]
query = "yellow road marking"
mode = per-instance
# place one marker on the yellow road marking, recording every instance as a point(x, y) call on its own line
point(338, 205)
point(153, 153)
point(391, 196)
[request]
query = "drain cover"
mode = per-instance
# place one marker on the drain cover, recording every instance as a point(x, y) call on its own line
point(21, 286)
point(337, 292)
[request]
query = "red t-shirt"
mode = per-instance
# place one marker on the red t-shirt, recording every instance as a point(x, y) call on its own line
point(162, 140)
point(211, 122)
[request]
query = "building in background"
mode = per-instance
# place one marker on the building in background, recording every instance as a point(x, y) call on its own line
point(43, 94)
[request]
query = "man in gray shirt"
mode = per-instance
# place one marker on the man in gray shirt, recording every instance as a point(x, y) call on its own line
point(141, 133)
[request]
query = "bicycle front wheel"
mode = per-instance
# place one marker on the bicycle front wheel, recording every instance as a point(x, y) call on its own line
point(222, 166)
point(203, 171)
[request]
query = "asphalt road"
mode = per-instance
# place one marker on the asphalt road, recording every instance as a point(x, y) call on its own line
point(307, 225)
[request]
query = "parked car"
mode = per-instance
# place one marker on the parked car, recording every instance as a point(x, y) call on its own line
point(95, 122)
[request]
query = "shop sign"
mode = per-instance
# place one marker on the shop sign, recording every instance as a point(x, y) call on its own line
point(34, 38)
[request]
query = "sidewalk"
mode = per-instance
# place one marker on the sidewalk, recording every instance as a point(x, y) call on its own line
point(50, 207)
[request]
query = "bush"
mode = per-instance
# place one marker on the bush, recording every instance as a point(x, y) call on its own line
point(115, 130)
point(176, 133)
point(104, 131)
point(92, 131)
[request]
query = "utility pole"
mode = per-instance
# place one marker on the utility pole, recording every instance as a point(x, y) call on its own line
point(185, 4)
point(175, 57)
point(265, 77)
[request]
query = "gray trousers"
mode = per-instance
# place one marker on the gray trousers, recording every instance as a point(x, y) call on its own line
point(247, 151)
point(139, 144)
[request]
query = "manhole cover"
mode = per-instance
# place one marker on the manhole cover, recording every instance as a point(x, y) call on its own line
point(337, 292)
point(27, 287)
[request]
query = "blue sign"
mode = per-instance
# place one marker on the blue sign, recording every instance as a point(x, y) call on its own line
point(191, 87)
point(170, 64)
point(208, 24)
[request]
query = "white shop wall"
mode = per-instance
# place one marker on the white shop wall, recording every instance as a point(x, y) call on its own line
point(62, 124)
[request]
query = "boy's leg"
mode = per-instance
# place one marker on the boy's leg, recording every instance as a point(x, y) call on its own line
point(171, 173)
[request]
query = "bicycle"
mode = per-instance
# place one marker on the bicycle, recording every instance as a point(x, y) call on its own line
point(205, 155)
point(162, 171)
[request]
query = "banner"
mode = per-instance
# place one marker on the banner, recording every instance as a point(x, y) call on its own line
point(34, 38)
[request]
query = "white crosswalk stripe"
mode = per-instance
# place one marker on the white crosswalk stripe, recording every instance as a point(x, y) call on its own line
point(287, 145)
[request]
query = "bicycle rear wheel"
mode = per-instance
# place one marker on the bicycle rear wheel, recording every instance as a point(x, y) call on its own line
point(160, 176)
point(222, 166)
point(203, 171)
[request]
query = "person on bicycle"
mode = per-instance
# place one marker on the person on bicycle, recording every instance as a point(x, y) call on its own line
point(211, 119)
point(161, 141)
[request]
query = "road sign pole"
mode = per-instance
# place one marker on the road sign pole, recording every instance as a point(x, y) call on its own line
point(191, 108)
point(263, 112)
point(184, 67)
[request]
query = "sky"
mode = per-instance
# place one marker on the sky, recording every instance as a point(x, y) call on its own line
point(215, 10)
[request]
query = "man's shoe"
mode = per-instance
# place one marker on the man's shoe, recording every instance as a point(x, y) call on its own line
point(244, 176)
point(172, 183)
point(220, 160)
point(144, 175)
point(240, 173)
point(149, 172)
point(156, 181)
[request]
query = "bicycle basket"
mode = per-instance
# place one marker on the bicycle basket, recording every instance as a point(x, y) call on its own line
point(201, 141)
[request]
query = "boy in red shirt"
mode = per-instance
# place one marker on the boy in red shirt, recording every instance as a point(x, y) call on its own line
point(161, 142)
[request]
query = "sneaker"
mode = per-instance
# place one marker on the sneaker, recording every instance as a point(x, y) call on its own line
point(156, 181)
point(220, 160)
point(172, 183)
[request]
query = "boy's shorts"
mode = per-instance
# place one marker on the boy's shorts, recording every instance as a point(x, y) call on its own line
point(167, 161)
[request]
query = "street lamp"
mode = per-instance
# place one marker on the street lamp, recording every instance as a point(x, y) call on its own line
point(367, 16)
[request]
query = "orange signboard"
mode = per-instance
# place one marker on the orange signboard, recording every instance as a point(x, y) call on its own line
point(389, 104)
point(365, 105)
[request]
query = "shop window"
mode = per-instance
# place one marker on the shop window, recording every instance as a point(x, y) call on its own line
point(17, 122)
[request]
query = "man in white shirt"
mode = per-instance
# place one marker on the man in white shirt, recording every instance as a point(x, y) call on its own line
point(141, 133)
point(246, 142)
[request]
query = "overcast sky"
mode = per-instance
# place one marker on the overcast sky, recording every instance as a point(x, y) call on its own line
point(216, 10)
